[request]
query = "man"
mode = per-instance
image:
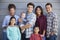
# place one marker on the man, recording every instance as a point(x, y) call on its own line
point(52, 24)
point(31, 18)
point(11, 8)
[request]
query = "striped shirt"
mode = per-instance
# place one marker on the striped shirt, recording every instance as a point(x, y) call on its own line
point(31, 17)
point(52, 23)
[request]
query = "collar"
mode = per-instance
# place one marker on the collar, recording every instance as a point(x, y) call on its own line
point(49, 13)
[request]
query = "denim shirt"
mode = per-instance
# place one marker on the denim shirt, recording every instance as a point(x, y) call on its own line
point(31, 17)
point(7, 19)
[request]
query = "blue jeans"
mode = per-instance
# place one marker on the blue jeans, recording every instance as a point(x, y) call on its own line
point(53, 37)
point(4, 36)
point(43, 38)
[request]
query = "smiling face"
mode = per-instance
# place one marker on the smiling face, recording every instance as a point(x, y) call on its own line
point(30, 8)
point(23, 15)
point(48, 8)
point(38, 11)
point(12, 11)
point(36, 29)
point(13, 21)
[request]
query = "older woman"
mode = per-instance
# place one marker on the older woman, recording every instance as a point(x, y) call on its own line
point(41, 21)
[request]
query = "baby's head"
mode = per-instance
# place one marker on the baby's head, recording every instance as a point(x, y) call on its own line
point(23, 15)
point(36, 29)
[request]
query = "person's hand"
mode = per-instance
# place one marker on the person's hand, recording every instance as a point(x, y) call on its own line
point(5, 27)
point(42, 35)
point(20, 20)
point(52, 33)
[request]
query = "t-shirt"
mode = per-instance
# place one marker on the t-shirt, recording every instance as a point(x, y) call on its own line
point(13, 33)
point(35, 37)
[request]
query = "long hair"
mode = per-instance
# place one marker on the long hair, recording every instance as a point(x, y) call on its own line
point(40, 9)
point(11, 19)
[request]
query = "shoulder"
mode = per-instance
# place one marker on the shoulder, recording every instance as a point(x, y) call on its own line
point(17, 16)
point(54, 15)
point(7, 16)
point(34, 14)
point(32, 35)
point(16, 26)
point(44, 16)
point(39, 35)
point(8, 27)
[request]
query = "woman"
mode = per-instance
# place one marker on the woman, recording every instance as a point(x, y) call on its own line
point(41, 21)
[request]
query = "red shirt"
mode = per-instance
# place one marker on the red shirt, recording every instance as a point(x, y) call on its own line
point(41, 22)
point(35, 37)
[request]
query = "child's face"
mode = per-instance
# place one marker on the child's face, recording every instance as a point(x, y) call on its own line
point(13, 21)
point(23, 15)
point(36, 29)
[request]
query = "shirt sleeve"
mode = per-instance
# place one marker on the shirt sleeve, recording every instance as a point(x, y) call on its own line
point(55, 24)
point(32, 20)
point(8, 34)
point(4, 22)
point(45, 23)
point(24, 20)
point(31, 38)
point(17, 22)
point(19, 34)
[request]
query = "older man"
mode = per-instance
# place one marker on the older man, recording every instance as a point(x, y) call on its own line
point(52, 25)
point(11, 9)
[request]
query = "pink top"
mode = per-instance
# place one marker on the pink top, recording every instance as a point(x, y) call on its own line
point(35, 37)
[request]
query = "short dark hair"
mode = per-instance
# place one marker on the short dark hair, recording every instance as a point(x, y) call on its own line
point(35, 27)
point(11, 19)
point(48, 4)
point(31, 4)
point(11, 6)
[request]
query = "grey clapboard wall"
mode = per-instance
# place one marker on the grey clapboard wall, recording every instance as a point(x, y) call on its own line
point(21, 6)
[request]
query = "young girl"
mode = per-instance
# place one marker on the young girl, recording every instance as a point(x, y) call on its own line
point(13, 32)
point(36, 35)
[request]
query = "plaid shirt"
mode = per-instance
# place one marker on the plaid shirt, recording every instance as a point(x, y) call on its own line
point(31, 17)
point(52, 24)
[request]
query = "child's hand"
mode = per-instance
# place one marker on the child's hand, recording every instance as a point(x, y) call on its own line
point(42, 35)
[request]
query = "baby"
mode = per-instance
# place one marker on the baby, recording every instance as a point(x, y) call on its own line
point(23, 18)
